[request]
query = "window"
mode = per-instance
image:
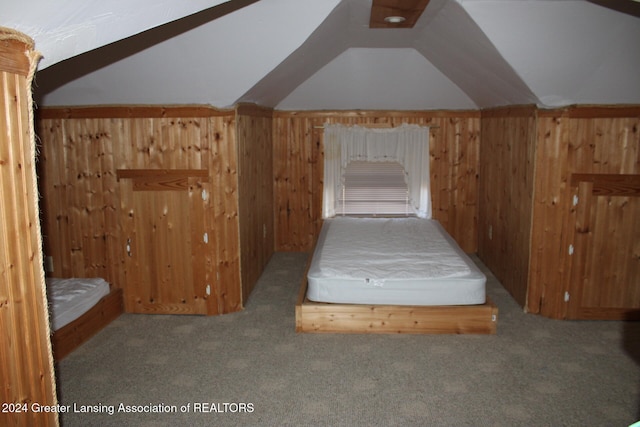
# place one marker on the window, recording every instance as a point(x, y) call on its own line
point(374, 188)
point(403, 150)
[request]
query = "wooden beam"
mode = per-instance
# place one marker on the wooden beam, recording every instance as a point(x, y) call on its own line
point(410, 10)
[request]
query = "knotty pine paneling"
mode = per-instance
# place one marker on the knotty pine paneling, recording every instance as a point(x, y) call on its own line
point(81, 150)
point(559, 257)
point(550, 267)
point(518, 186)
point(77, 176)
point(224, 216)
point(298, 170)
point(507, 158)
point(599, 280)
point(26, 362)
point(255, 184)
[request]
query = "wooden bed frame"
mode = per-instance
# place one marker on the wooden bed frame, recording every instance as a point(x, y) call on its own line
point(367, 319)
point(72, 335)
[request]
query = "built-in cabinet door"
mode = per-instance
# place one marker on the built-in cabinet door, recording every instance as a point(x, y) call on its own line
point(605, 270)
point(162, 223)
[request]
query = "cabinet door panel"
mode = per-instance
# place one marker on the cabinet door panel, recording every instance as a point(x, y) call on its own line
point(160, 228)
point(605, 279)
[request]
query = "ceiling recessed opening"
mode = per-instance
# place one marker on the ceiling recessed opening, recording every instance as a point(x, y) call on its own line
point(394, 19)
point(396, 13)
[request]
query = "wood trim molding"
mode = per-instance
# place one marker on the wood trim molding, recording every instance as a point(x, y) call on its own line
point(377, 113)
point(131, 111)
point(608, 313)
point(253, 110)
point(157, 111)
point(592, 111)
point(609, 184)
point(161, 179)
point(510, 111)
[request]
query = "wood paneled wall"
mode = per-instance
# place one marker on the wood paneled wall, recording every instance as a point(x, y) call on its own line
point(26, 363)
point(298, 170)
point(81, 150)
point(255, 179)
point(503, 183)
point(559, 206)
point(507, 150)
point(585, 260)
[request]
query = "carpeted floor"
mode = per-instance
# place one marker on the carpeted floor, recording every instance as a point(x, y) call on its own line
point(252, 369)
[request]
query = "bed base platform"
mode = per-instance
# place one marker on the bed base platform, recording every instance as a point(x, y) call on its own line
point(72, 335)
point(367, 319)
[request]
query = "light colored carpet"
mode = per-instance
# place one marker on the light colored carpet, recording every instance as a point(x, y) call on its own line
point(534, 372)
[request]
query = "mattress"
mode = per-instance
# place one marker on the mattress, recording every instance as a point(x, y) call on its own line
point(395, 261)
point(71, 298)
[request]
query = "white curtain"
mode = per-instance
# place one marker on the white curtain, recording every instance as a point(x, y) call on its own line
point(406, 144)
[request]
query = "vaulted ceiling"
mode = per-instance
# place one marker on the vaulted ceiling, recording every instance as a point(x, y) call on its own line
point(323, 54)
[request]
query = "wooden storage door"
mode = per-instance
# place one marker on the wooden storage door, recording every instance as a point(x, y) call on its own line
point(164, 240)
point(605, 271)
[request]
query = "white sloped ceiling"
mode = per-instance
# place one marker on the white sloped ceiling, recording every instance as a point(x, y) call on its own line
point(567, 52)
point(320, 54)
point(63, 29)
point(397, 74)
point(211, 63)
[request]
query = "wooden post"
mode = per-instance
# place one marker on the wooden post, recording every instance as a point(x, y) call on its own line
point(25, 351)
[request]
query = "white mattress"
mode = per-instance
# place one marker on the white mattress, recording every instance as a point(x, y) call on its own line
point(398, 261)
point(71, 298)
